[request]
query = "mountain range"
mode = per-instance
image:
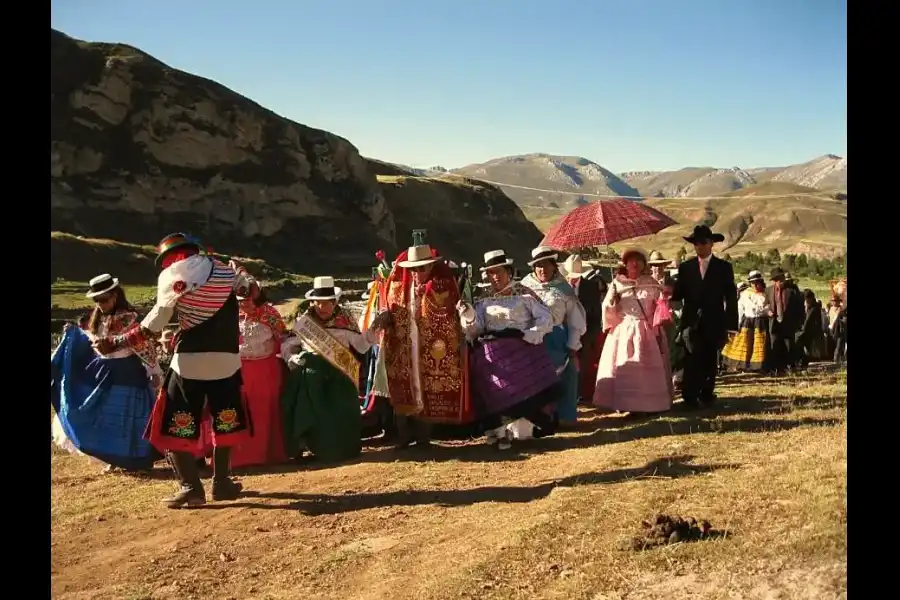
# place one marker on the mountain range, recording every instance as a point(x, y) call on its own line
point(139, 149)
point(578, 179)
point(798, 208)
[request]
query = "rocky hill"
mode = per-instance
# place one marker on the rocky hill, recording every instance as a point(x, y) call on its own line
point(139, 149)
point(465, 217)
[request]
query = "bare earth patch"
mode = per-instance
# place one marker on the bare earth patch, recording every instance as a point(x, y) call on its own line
point(767, 467)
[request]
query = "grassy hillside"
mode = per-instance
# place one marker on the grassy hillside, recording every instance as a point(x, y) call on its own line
point(791, 222)
point(75, 260)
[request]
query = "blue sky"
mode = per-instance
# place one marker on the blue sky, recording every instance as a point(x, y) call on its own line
point(630, 84)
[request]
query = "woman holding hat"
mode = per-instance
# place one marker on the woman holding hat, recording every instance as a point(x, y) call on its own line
point(634, 374)
point(569, 325)
point(103, 396)
point(747, 350)
point(320, 402)
point(512, 374)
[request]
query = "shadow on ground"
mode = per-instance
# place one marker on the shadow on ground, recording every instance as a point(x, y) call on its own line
point(598, 429)
point(670, 467)
point(757, 414)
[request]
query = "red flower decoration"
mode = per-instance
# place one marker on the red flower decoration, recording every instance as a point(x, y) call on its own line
point(179, 286)
point(380, 255)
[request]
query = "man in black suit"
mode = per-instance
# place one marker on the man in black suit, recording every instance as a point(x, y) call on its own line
point(705, 286)
point(788, 316)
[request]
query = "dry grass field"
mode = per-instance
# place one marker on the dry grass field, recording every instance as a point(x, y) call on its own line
point(551, 519)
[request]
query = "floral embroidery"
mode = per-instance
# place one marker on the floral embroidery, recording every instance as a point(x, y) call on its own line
point(271, 317)
point(179, 286)
point(124, 328)
point(182, 425)
point(227, 420)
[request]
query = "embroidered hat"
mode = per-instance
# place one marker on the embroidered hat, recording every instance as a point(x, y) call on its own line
point(101, 284)
point(323, 289)
point(173, 241)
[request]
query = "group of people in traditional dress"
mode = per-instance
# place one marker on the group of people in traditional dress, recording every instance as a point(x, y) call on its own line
point(511, 359)
point(783, 329)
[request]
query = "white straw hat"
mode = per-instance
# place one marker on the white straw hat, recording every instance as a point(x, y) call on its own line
point(494, 259)
point(323, 289)
point(101, 284)
point(542, 253)
point(418, 256)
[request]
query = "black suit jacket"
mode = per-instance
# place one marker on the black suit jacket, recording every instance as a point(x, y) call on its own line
point(794, 312)
point(591, 292)
point(709, 303)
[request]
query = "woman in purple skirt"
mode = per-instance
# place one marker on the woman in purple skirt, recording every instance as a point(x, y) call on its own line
point(512, 375)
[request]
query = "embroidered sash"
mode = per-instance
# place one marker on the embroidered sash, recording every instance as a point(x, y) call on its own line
point(327, 346)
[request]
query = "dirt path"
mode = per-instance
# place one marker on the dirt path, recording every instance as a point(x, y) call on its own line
point(546, 521)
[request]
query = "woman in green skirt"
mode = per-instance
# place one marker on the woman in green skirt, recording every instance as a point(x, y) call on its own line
point(320, 402)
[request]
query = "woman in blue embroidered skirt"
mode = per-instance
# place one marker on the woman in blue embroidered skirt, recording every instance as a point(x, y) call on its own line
point(103, 402)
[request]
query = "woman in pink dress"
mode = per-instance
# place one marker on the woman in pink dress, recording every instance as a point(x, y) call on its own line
point(633, 374)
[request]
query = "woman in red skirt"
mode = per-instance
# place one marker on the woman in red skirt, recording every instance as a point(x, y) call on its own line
point(262, 372)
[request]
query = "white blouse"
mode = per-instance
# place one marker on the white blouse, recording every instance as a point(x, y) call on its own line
point(517, 311)
point(565, 308)
point(753, 304)
point(257, 340)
